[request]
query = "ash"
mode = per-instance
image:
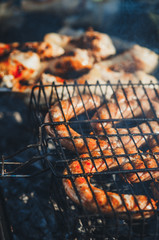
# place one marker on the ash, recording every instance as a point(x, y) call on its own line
point(28, 208)
point(27, 199)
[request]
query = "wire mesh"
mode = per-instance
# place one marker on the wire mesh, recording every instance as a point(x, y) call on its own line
point(26, 162)
point(84, 223)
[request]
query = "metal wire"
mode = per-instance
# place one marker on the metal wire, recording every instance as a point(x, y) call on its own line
point(12, 165)
point(57, 162)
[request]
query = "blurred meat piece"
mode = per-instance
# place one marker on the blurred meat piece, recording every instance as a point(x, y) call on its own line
point(99, 45)
point(58, 39)
point(20, 67)
point(103, 75)
point(44, 49)
point(71, 63)
point(136, 58)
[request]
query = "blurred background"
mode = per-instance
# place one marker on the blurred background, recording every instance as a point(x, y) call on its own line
point(29, 20)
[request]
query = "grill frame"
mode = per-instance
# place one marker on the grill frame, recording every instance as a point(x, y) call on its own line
point(12, 167)
point(56, 158)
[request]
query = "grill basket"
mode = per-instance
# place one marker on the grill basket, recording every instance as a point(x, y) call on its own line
point(25, 163)
point(77, 221)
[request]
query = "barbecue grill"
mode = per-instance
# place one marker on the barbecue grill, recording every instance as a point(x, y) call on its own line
point(65, 219)
point(79, 222)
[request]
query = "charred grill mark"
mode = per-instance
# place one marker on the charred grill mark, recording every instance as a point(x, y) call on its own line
point(69, 66)
point(131, 68)
point(58, 65)
point(85, 42)
point(70, 53)
point(32, 46)
point(24, 82)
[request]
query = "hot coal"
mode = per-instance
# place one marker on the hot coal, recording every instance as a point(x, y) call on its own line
point(26, 200)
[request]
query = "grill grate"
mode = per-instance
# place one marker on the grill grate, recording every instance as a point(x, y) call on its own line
point(78, 221)
point(26, 162)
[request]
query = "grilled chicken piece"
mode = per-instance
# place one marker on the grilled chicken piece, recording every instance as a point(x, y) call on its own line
point(71, 63)
point(20, 68)
point(44, 90)
point(58, 39)
point(104, 74)
point(45, 49)
point(60, 90)
point(99, 45)
point(134, 59)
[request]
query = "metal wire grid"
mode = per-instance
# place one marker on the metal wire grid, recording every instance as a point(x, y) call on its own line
point(58, 157)
point(80, 224)
point(26, 162)
point(83, 225)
